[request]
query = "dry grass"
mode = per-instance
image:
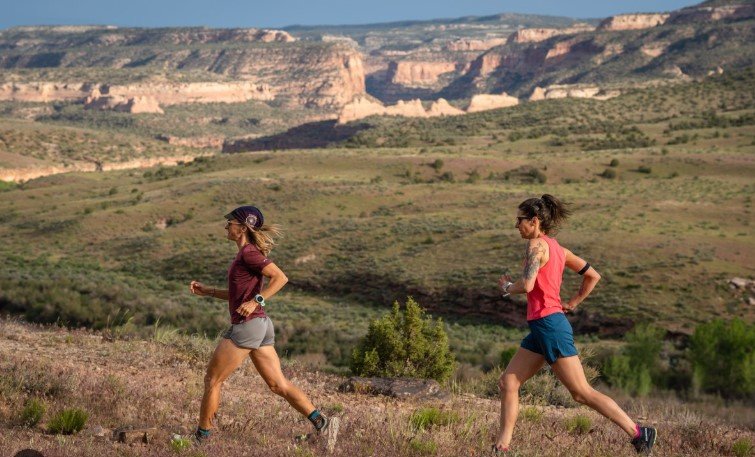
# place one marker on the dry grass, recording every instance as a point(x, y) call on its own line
point(148, 383)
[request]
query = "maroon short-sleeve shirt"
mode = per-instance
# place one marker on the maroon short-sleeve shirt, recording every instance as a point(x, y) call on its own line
point(245, 281)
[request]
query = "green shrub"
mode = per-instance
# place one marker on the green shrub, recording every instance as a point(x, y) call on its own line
point(608, 174)
point(644, 169)
point(742, 448)
point(508, 354)
point(425, 418)
point(33, 411)
point(437, 165)
point(614, 163)
point(179, 443)
point(68, 421)
point(538, 175)
point(723, 357)
point(531, 414)
point(423, 446)
point(636, 367)
point(578, 424)
point(405, 344)
point(447, 176)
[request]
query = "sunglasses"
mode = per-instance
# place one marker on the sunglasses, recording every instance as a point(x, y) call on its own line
point(229, 223)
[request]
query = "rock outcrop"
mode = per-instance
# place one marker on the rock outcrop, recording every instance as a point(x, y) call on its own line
point(411, 108)
point(143, 93)
point(572, 91)
point(245, 63)
point(133, 105)
point(537, 35)
point(44, 91)
point(697, 15)
point(396, 387)
point(468, 44)
point(484, 102)
point(362, 107)
point(441, 107)
point(410, 73)
point(632, 22)
point(359, 108)
point(25, 174)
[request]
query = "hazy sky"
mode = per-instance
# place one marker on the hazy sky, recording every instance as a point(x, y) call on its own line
point(279, 13)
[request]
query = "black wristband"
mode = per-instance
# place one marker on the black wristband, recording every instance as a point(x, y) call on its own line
point(584, 269)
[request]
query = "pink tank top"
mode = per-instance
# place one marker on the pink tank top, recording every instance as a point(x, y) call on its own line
point(545, 297)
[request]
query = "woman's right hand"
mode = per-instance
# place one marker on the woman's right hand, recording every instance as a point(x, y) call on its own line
point(197, 288)
point(504, 280)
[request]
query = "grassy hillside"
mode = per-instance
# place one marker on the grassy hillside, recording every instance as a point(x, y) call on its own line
point(157, 382)
point(432, 216)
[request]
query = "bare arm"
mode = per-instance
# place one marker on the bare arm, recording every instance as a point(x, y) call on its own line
point(277, 279)
point(197, 288)
point(589, 279)
point(533, 259)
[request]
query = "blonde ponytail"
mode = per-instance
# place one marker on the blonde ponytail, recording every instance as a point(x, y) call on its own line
point(265, 237)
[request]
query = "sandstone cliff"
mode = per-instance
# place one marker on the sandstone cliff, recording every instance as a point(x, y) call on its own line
point(484, 102)
point(253, 64)
point(362, 107)
point(540, 34)
point(698, 15)
point(418, 73)
point(468, 44)
point(632, 21)
point(25, 174)
point(572, 91)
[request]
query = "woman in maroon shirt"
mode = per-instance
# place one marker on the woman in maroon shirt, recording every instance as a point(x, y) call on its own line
point(251, 332)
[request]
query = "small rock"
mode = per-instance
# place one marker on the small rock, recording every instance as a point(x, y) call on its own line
point(395, 387)
point(739, 283)
point(134, 435)
point(97, 430)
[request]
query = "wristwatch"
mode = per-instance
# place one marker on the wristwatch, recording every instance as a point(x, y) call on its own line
point(505, 289)
point(260, 299)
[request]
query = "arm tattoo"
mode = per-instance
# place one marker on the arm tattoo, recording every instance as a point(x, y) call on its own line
point(532, 261)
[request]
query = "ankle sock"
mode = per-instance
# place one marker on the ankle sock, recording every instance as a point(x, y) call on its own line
point(636, 431)
point(317, 419)
point(201, 432)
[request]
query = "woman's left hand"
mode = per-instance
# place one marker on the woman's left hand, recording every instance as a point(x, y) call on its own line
point(247, 308)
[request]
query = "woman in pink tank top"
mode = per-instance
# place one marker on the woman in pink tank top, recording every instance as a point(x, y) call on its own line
point(551, 339)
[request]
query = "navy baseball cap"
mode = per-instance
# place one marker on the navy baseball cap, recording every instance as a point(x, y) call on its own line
point(249, 215)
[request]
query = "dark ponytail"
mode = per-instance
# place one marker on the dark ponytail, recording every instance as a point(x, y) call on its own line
point(551, 211)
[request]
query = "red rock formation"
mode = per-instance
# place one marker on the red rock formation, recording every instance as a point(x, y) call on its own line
point(572, 91)
point(467, 44)
point(410, 73)
point(537, 35)
point(441, 107)
point(696, 15)
point(25, 174)
point(484, 102)
point(359, 108)
point(632, 21)
point(161, 93)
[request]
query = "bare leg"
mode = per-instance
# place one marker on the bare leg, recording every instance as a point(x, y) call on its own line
point(269, 367)
point(570, 372)
point(522, 367)
point(226, 358)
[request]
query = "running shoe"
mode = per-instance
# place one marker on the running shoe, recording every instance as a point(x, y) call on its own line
point(643, 444)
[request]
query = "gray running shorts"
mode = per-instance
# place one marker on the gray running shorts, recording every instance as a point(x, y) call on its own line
point(252, 334)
